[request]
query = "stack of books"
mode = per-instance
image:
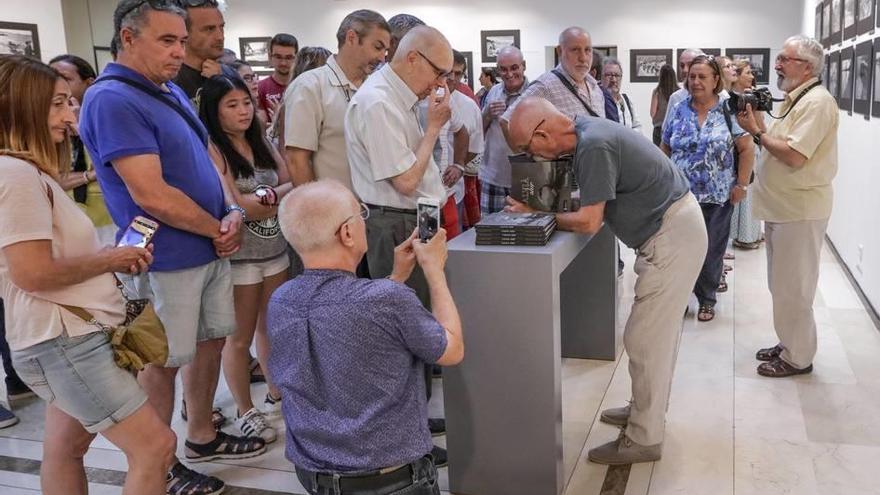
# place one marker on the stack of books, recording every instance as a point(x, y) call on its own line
point(515, 229)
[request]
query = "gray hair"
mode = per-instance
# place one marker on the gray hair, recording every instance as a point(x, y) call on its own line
point(132, 14)
point(572, 31)
point(361, 22)
point(402, 24)
point(693, 52)
point(810, 50)
point(311, 214)
point(611, 61)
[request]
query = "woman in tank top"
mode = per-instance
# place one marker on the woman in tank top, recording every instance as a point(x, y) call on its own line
point(660, 99)
point(259, 180)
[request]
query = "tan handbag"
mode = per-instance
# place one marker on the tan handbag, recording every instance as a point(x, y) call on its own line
point(138, 341)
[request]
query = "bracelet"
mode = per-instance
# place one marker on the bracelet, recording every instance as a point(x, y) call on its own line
point(235, 207)
point(458, 167)
point(744, 188)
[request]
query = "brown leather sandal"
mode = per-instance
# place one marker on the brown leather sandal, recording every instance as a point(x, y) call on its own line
point(705, 313)
point(777, 368)
point(769, 353)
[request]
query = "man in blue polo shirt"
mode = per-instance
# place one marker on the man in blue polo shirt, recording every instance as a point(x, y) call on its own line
point(151, 158)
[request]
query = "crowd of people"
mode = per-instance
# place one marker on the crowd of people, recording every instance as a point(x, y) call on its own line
point(287, 223)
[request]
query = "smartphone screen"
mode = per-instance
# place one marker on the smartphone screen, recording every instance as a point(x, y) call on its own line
point(429, 221)
point(139, 233)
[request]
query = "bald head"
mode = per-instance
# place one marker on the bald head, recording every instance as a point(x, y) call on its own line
point(310, 215)
point(575, 52)
point(510, 54)
point(423, 60)
point(528, 114)
point(573, 34)
point(425, 39)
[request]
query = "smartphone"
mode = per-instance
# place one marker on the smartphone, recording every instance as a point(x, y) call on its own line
point(428, 215)
point(139, 232)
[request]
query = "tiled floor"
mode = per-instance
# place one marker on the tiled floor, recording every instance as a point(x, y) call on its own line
point(728, 430)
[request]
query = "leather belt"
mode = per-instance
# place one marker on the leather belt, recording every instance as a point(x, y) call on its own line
point(366, 482)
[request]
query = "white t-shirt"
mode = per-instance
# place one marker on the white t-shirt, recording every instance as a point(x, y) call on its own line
point(465, 113)
point(26, 214)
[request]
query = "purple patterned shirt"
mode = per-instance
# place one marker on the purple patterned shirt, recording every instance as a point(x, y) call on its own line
point(348, 355)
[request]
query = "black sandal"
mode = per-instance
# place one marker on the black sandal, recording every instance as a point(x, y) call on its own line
point(769, 353)
point(777, 368)
point(722, 286)
point(217, 417)
point(182, 480)
point(706, 313)
point(225, 446)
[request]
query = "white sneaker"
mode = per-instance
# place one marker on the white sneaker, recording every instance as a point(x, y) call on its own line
point(254, 424)
point(271, 406)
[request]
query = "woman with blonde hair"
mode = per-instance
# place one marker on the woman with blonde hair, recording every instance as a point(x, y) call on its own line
point(745, 230)
point(50, 256)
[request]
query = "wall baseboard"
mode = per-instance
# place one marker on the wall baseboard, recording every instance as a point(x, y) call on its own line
point(872, 311)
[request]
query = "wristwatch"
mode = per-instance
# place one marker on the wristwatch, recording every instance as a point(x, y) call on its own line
point(757, 137)
point(235, 207)
point(744, 188)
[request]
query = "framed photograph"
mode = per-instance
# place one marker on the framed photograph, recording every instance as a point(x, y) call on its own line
point(865, 14)
point(491, 42)
point(255, 51)
point(836, 25)
point(875, 104)
point(825, 70)
point(759, 59)
point(817, 27)
point(17, 38)
point(607, 50)
point(468, 69)
point(834, 75)
point(826, 23)
point(644, 65)
point(715, 52)
point(850, 27)
point(863, 69)
point(847, 56)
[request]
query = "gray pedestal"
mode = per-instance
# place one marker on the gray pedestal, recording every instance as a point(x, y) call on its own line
point(522, 309)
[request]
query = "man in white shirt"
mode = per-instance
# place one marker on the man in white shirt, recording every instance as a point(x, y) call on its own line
point(612, 77)
point(684, 67)
point(315, 103)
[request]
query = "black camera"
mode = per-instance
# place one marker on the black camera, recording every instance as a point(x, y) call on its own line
point(760, 100)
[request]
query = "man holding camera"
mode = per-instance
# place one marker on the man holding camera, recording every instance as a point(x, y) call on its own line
point(793, 196)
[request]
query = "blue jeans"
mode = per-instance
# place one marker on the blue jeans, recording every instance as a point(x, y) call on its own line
point(423, 482)
point(717, 219)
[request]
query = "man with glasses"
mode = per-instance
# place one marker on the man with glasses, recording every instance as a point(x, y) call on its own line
point(282, 54)
point(612, 76)
point(337, 339)
point(793, 195)
point(628, 183)
point(316, 101)
point(495, 174)
point(204, 46)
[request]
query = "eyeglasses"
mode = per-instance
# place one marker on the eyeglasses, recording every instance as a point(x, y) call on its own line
point(363, 213)
point(782, 59)
point(441, 74)
point(613, 75)
point(532, 137)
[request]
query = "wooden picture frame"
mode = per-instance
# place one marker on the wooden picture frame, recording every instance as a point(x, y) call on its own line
point(866, 11)
point(875, 100)
point(850, 26)
point(255, 50)
point(759, 58)
point(863, 69)
point(834, 75)
point(493, 41)
point(845, 102)
point(644, 64)
point(19, 38)
point(836, 22)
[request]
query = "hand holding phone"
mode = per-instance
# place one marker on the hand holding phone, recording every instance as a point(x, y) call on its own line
point(139, 232)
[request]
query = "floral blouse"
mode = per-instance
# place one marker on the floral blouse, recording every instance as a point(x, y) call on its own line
point(705, 154)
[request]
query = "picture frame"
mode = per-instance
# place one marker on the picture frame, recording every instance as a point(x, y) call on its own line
point(817, 27)
point(826, 69)
point(19, 38)
point(826, 23)
point(863, 68)
point(834, 75)
point(836, 24)
point(845, 102)
point(645, 64)
point(715, 52)
point(866, 11)
point(759, 58)
point(875, 103)
point(255, 50)
point(605, 50)
point(102, 57)
point(491, 42)
point(469, 69)
point(850, 26)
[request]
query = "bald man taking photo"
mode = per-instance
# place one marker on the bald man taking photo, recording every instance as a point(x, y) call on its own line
point(626, 182)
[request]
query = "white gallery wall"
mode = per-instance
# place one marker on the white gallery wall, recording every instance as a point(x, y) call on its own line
point(855, 222)
point(46, 14)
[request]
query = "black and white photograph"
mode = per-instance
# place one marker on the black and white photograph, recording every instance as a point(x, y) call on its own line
point(468, 69)
point(543, 185)
point(826, 23)
point(17, 38)
point(645, 64)
point(875, 105)
point(255, 51)
point(850, 26)
point(834, 75)
point(491, 42)
point(759, 59)
point(817, 33)
point(862, 72)
point(836, 27)
point(846, 79)
point(865, 16)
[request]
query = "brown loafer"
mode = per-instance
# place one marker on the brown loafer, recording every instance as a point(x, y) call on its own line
point(769, 353)
point(777, 368)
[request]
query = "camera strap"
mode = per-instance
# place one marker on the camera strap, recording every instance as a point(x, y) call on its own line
point(796, 100)
point(574, 91)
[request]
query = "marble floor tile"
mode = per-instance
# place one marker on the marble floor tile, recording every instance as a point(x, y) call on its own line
point(768, 409)
point(835, 413)
point(773, 467)
point(847, 469)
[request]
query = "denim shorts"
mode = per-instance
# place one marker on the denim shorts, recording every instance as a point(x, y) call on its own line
point(79, 376)
point(194, 305)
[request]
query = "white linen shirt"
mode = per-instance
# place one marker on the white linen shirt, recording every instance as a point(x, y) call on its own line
point(465, 113)
point(382, 132)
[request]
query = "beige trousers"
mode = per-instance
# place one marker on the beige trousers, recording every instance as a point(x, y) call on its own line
point(793, 250)
point(667, 266)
